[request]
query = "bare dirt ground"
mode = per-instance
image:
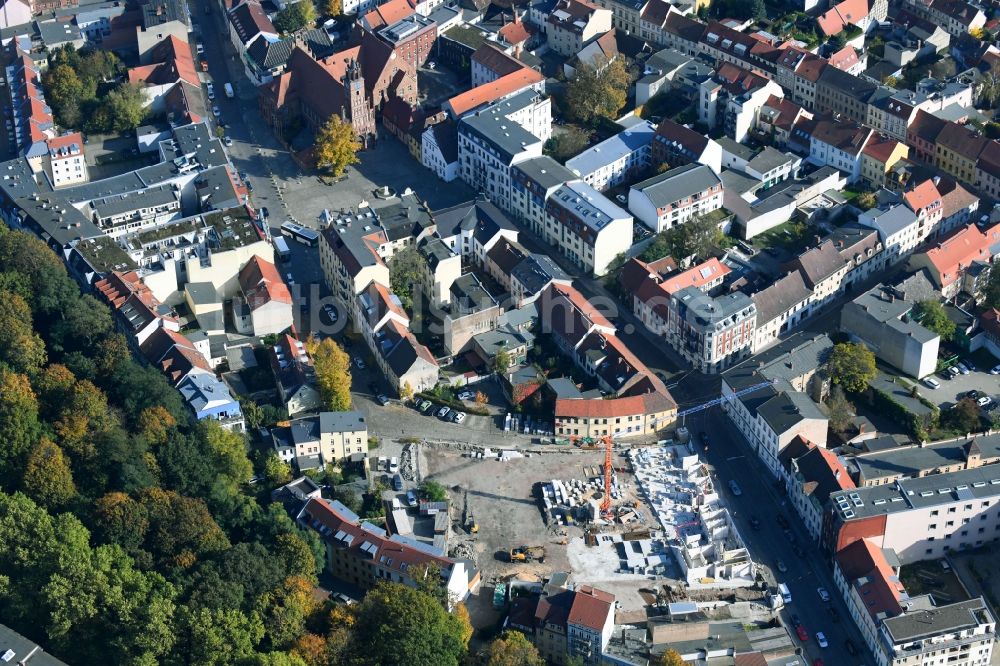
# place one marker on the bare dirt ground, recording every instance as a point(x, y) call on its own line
point(502, 497)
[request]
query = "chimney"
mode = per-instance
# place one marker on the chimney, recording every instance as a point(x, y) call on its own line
point(937, 180)
point(840, 243)
point(861, 428)
point(836, 474)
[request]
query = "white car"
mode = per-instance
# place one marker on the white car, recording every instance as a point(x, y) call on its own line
point(459, 417)
point(216, 112)
point(200, 48)
point(211, 90)
point(961, 368)
point(932, 383)
point(823, 594)
point(228, 141)
point(984, 401)
point(359, 362)
point(466, 395)
point(995, 371)
point(735, 488)
point(821, 639)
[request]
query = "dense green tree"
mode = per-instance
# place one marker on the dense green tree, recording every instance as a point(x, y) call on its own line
point(273, 659)
point(406, 270)
point(333, 372)
point(48, 478)
point(851, 366)
point(568, 142)
point(512, 649)
point(434, 491)
point(229, 450)
point(398, 620)
point(598, 91)
point(964, 416)
point(217, 637)
point(296, 16)
point(180, 528)
point(20, 347)
point(285, 610)
point(699, 236)
point(932, 316)
point(125, 105)
point(19, 426)
point(296, 554)
point(336, 146)
point(119, 518)
point(839, 410)
point(347, 496)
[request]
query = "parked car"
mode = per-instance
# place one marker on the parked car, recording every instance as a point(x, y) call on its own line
point(851, 647)
point(970, 365)
point(821, 639)
point(359, 362)
point(441, 412)
point(995, 370)
point(393, 465)
point(459, 417)
point(423, 405)
point(397, 482)
point(984, 401)
point(383, 399)
point(954, 371)
point(228, 141)
point(200, 48)
point(823, 594)
point(781, 566)
point(216, 112)
point(204, 65)
point(210, 89)
point(411, 498)
point(930, 382)
point(735, 487)
point(466, 395)
point(974, 394)
point(801, 632)
point(818, 662)
point(962, 368)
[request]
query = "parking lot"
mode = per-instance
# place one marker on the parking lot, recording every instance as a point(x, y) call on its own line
point(387, 163)
point(953, 390)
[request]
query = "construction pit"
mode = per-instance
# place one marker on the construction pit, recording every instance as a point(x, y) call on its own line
point(670, 528)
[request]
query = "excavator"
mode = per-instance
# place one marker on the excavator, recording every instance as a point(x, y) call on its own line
point(527, 554)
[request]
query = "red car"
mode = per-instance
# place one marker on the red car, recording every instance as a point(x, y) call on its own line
point(818, 662)
point(803, 634)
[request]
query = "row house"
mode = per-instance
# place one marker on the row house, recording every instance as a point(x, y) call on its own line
point(572, 24)
point(957, 150)
point(843, 93)
point(490, 142)
point(781, 307)
point(675, 196)
point(898, 230)
point(586, 226)
point(958, 17)
point(952, 263)
point(833, 142)
point(878, 158)
point(672, 29)
point(678, 145)
point(812, 473)
point(734, 97)
point(823, 269)
point(330, 438)
point(533, 181)
point(724, 44)
point(988, 170)
point(611, 161)
point(861, 248)
point(798, 72)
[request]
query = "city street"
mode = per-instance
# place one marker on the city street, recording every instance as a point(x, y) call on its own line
point(730, 456)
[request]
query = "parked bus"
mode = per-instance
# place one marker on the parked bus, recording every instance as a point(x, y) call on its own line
point(300, 233)
point(281, 249)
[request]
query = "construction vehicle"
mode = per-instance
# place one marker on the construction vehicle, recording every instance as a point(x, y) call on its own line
point(527, 554)
point(472, 525)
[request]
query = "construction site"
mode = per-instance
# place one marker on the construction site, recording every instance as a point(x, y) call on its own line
point(656, 520)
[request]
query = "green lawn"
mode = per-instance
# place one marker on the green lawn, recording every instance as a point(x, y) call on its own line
point(791, 236)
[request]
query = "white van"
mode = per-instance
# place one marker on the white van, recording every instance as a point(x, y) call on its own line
point(393, 465)
point(786, 594)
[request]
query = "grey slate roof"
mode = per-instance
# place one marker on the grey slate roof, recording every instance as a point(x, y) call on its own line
point(25, 651)
point(545, 171)
point(491, 125)
point(780, 297)
point(351, 421)
point(678, 183)
point(637, 135)
point(126, 203)
point(796, 355)
point(911, 460)
point(785, 410)
point(269, 55)
point(892, 221)
point(917, 624)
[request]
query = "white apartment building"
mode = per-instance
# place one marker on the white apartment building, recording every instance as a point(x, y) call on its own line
point(572, 24)
point(586, 226)
point(532, 182)
point(613, 160)
point(898, 229)
point(675, 196)
point(492, 140)
point(65, 163)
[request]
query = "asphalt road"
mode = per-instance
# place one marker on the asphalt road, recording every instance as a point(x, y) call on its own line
point(731, 457)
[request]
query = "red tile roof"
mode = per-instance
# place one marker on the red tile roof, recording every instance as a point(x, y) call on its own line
point(923, 196)
point(880, 149)
point(503, 87)
point(955, 254)
point(389, 13)
point(864, 564)
point(591, 608)
point(261, 284)
point(582, 408)
point(841, 15)
point(516, 32)
point(67, 145)
point(845, 58)
point(696, 276)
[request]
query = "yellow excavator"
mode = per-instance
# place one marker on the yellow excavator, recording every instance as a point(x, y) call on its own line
point(527, 554)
